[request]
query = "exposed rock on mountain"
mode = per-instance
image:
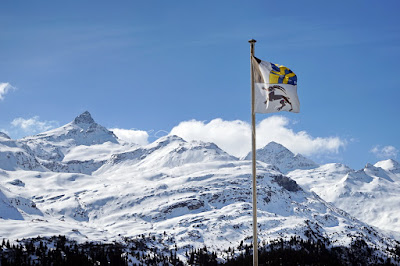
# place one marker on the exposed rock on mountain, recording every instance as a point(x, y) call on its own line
point(276, 154)
point(88, 186)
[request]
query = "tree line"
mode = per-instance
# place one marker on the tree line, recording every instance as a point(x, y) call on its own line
point(146, 250)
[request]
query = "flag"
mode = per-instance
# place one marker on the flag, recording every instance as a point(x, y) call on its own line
point(275, 88)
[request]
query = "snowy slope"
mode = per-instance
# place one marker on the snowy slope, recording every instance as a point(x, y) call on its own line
point(99, 189)
point(14, 207)
point(276, 154)
point(14, 156)
point(168, 151)
point(390, 166)
point(198, 203)
point(371, 194)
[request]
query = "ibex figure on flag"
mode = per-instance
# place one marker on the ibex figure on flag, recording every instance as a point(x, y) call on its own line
point(273, 97)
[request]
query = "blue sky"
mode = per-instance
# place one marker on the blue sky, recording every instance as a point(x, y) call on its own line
point(158, 66)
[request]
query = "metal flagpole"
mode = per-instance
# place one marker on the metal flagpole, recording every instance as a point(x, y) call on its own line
point(253, 146)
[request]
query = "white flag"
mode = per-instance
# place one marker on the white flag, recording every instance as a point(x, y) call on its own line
point(275, 88)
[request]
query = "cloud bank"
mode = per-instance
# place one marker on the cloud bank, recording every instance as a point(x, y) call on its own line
point(235, 136)
point(132, 136)
point(33, 125)
point(386, 152)
point(4, 88)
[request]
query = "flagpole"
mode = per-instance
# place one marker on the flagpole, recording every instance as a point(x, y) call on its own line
point(253, 147)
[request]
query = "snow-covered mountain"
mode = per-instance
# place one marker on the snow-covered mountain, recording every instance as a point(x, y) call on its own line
point(390, 165)
point(276, 154)
point(52, 144)
point(90, 187)
point(167, 152)
point(14, 155)
point(81, 146)
point(371, 194)
point(82, 131)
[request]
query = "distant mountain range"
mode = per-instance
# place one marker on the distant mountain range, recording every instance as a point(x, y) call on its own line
point(371, 194)
point(81, 181)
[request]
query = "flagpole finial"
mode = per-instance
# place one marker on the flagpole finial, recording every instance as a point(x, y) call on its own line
point(252, 42)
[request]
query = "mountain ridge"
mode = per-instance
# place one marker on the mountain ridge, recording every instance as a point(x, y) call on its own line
point(371, 194)
point(278, 155)
point(83, 130)
point(193, 191)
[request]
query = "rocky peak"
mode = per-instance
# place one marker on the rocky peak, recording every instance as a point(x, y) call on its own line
point(4, 135)
point(83, 130)
point(170, 138)
point(276, 146)
point(84, 118)
point(166, 140)
point(278, 155)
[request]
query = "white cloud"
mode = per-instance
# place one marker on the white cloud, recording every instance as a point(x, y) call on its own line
point(33, 125)
point(4, 88)
point(231, 136)
point(132, 136)
point(386, 152)
point(235, 136)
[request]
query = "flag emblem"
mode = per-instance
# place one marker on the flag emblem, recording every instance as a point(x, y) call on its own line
point(275, 88)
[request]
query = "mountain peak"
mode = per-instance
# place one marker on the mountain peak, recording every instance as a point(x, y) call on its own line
point(369, 166)
point(275, 146)
point(169, 139)
point(84, 118)
point(373, 170)
point(172, 138)
point(389, 165)
point(275, 143)
point(166, 140)
point(4, 135)
point(83, 130)
point(278, 155)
